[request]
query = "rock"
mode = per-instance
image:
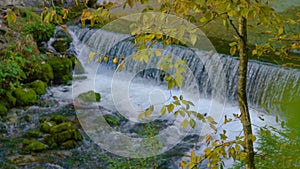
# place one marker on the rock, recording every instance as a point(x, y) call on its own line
point(10, 98)
point(70, 144)
point(33, 134)
point(50, 141)
point(112, 120)
point(44, 72)
point(46, 126)
point(39, 87)
point(23, 159)
point(62, 68)
point(32, 145)
point(58, 119)
point(90, 96)
point(25, 96)
point(3, 110)
point(61, 127)
point(61, 45)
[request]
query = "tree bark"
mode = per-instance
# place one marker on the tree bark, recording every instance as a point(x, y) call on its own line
point(242, 92)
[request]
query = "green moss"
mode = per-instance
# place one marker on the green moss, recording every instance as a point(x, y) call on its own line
point(39, 87)
point(62, 68)
point(10, 98)
point(3, 110)
point(61, 45)
point(61, 127)
point(25, 96)
point(33, 134)
point(50, 141)
point(46, 74)
point(58, 119)
point(90, 96)
point(46, 126)
point(69, 144)
point(32, 145)
point(111, 120)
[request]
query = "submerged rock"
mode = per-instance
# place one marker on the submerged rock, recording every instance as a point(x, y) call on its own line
point(90, 96)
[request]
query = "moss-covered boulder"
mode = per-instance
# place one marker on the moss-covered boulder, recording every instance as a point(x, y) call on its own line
point(3, 110)
point(62, 68)
point(33, 145)
point(25, 96)
point(39, 87)
point(61, 45)
point(59, 132)
point(11, 100)
point(42, 71)
point(46, 126)
point(33, 134)
point(90, 96)
point(112, 120)
point(58, 119)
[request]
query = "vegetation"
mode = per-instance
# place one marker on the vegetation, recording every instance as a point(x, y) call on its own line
point(25, 74)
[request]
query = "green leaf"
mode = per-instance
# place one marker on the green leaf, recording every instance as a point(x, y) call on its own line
point(163, 110)
point(192, 123)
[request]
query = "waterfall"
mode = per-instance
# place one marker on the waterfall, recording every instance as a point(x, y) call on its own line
point(216, 74)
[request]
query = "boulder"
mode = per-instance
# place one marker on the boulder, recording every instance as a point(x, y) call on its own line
point(25, 97)
point(90, 96)
point(39, 87)
point(62, 68)
point(33, 145)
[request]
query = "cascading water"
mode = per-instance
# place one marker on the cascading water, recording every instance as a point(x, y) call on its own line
point(216, 74)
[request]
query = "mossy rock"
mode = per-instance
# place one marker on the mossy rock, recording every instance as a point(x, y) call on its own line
point(3, 110)
point(58, 119)
point(71, 134)
point(46, 126)
point(90, 96)
point(62, 68)
point(42, 71)
point(50, 141)
point(69, 144)
point(25, 96)
point(78, 69)
point(112, 120)
point(39, 87)
point(61, 127)
point(61, 45)
point(10, 99)
point(34, 146)
point(33, 134)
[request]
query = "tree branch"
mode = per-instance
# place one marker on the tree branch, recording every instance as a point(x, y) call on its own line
point(285, 39)
point(234, 27)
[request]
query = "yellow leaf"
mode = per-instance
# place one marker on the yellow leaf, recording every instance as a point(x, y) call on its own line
point(115, 61)
point(157, 53)
point(92, 54)
point(105, 59)
point(185, 124)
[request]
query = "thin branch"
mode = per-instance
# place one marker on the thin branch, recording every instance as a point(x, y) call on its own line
point(285, 39)
point(234, 27)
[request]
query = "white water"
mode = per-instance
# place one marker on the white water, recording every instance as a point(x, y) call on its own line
point(145, 92)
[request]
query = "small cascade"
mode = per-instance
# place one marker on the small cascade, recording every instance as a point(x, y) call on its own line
point(216, 74)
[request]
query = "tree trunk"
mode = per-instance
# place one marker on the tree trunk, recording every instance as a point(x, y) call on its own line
point(242, 93)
